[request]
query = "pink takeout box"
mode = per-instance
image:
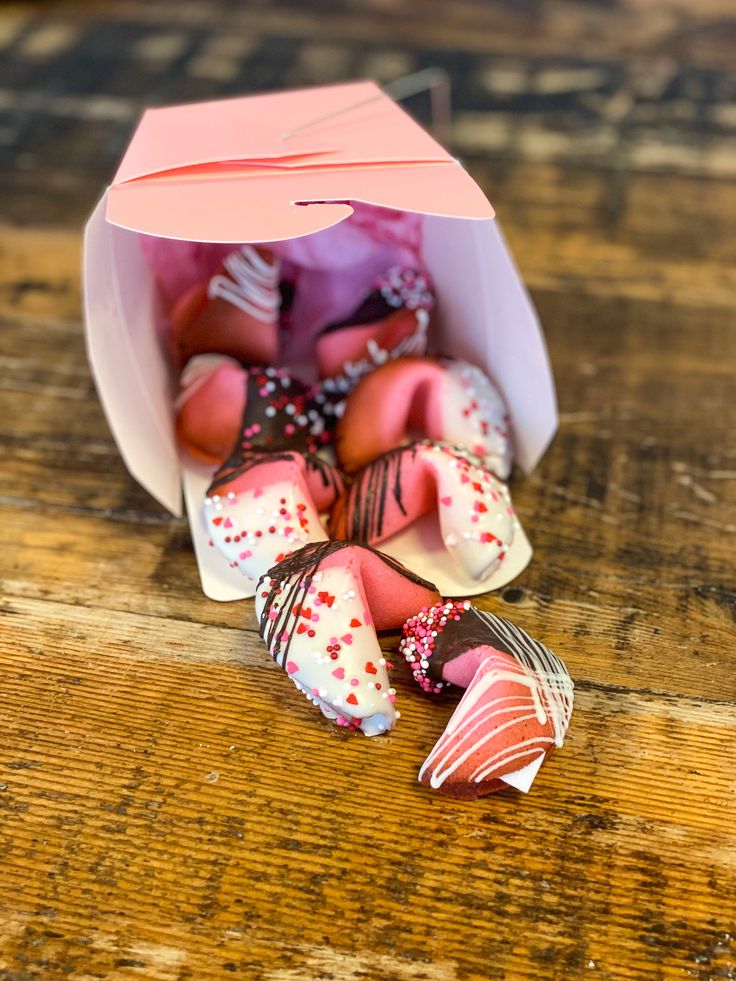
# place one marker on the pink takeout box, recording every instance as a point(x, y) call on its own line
point(241, 170)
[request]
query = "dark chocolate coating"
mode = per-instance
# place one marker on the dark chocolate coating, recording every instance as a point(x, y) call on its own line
point(373, 308)
point(455, 638)
point(475, 628)
point(272, 434)
point(277, 431)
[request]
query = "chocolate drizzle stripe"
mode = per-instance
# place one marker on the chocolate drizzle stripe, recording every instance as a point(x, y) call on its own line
point(366, 507)
point(232, 469)
point(278, 626)
point(244, 461)
point(534, 656)
point(326, 472)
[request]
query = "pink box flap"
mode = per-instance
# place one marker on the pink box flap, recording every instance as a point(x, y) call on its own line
point(367, 127)
point(270, 209)
point(224, 172)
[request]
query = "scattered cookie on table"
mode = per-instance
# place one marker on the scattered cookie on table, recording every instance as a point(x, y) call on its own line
point(516, 707)
point(319, 610)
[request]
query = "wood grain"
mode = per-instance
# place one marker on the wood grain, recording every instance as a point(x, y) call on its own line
point(170, 808)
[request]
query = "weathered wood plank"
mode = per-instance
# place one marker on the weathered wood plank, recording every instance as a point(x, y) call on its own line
point(669, 28)
point(125, 790)
point(170, 807)
point(610, 626)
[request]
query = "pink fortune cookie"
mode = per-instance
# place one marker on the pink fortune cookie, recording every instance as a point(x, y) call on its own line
point(516, 708)
point(264, 506)
point(223, 409)
point(391, 322)
point(437, 398)
point(236, 312)
point(476, 519)
point(319, 610)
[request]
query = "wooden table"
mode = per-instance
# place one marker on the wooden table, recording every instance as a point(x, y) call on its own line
point(169, 807)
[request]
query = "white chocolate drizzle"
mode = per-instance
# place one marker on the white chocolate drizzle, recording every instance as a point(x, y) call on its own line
point(477, 721)
point(251, 284)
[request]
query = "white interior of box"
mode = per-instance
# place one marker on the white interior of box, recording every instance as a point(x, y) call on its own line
point(484, 316)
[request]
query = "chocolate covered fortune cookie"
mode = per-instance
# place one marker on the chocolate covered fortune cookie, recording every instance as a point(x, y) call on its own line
point(517, 702)
point(477, 522)
point(435, 398)
point(391, 322)
point(236, 312)
point(262, 506)
point(319, 610)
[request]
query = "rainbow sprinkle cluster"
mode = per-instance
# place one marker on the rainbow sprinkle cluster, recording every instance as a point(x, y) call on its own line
point(419, 636)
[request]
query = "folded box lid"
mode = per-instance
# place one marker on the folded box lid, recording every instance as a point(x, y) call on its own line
point(242, 169)
point(237, 171)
